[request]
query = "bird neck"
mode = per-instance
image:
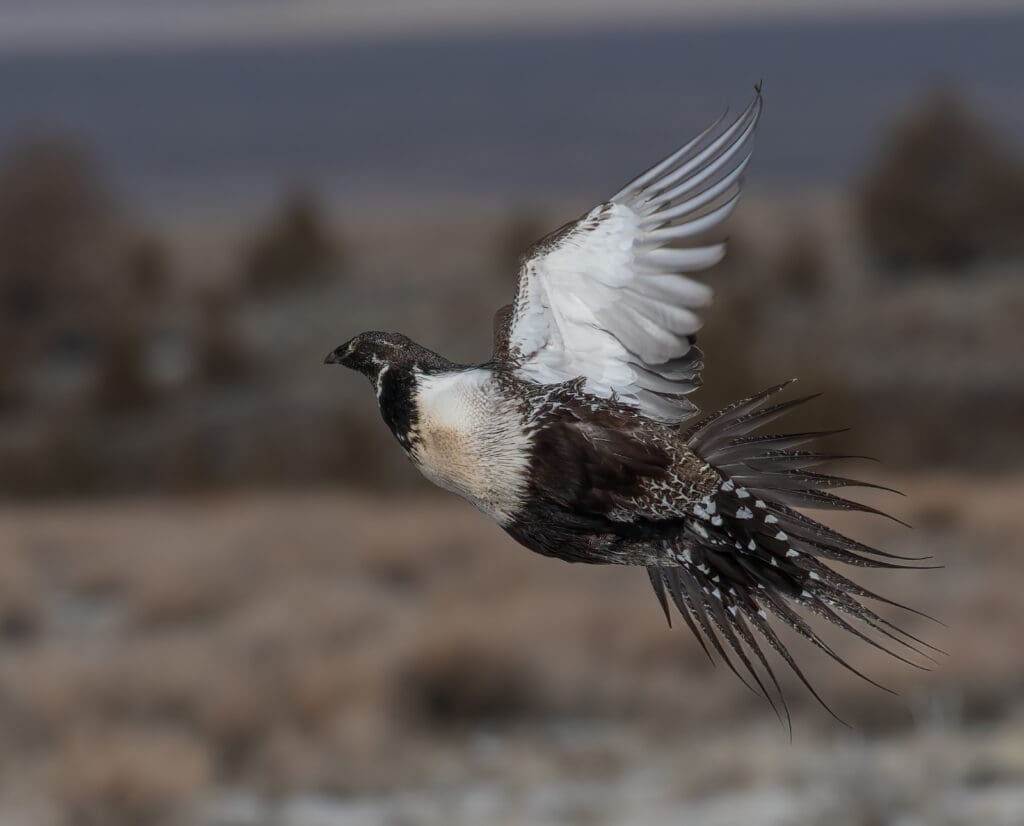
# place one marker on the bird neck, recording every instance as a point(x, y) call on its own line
point(396, 397)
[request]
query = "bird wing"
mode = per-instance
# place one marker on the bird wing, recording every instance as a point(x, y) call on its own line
point(605, 298)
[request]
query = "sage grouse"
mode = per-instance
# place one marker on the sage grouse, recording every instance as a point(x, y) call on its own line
point(575, 436)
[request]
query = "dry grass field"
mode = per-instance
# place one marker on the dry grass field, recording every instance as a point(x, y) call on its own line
point(334, 657)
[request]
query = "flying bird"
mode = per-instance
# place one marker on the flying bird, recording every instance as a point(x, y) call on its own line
point(579, 439)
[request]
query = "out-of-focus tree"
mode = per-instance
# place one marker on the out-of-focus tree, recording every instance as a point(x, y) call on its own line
point(147, 265)
point(124, 384)
point(220, 357)
point(57, 220)
point(11, 392)
point(294, 248)
point(944, 191)
point(56, 214)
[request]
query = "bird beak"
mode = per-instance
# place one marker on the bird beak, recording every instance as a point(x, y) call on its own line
point(335, 356)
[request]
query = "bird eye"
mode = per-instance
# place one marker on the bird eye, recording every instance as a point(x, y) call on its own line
point(351, 348)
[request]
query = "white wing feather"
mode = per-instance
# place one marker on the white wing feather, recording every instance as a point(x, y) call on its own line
point(605, 299)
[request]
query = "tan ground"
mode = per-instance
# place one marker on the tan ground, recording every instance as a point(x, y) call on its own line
point(330, 657)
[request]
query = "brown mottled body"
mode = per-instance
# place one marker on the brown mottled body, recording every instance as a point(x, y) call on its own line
point(606, 485)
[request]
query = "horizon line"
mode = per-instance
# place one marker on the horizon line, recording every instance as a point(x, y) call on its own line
point(113, 27)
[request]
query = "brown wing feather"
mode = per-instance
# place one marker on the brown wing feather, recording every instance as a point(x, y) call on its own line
point(598, 465)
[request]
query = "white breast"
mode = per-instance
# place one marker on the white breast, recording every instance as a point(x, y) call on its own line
point(469, 440)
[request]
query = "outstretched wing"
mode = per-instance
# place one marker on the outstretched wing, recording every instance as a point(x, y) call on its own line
point(605, 298)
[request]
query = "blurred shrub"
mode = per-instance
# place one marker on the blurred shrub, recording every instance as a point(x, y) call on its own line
point(21, 600)
point(123, 384)
point(12, 389)
point(55, 214)
point(943, 192)
point(732, 368)
point(293, 249)
point(192, 462)
point(220, 355)
point(60, 463)
point(455, 682)
point(147, 266)
point(65, 269)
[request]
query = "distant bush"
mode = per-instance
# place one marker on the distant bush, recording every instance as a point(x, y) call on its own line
point(61, 462)
point(192, 462)
point(68, 263)
point(220, 356)
point(55, 215)
point(147, 266)
point(456, 683)
point(294, 248)
point(733, 367)
point(124, 384)
point(21, 602)
point(12, 390)
point(943, 192)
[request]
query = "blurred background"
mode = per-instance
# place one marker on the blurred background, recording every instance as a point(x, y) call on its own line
point(226, 599)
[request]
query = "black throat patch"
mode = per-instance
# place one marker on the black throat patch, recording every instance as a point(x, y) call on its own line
point(396, 397)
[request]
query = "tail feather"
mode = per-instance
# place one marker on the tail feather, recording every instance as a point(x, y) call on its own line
point(820, 500)
point(824, 538)
point(780, 461)
point(798, 479)
point(747, 555)
point(778, 443)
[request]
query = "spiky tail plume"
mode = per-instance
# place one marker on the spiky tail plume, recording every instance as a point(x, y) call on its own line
point(747, 557)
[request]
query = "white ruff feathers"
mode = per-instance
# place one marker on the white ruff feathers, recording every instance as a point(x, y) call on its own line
point(469, 439)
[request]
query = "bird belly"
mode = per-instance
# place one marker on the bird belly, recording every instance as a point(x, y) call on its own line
point(469, 440)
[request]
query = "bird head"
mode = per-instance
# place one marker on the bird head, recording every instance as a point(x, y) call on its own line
point(369, 353)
